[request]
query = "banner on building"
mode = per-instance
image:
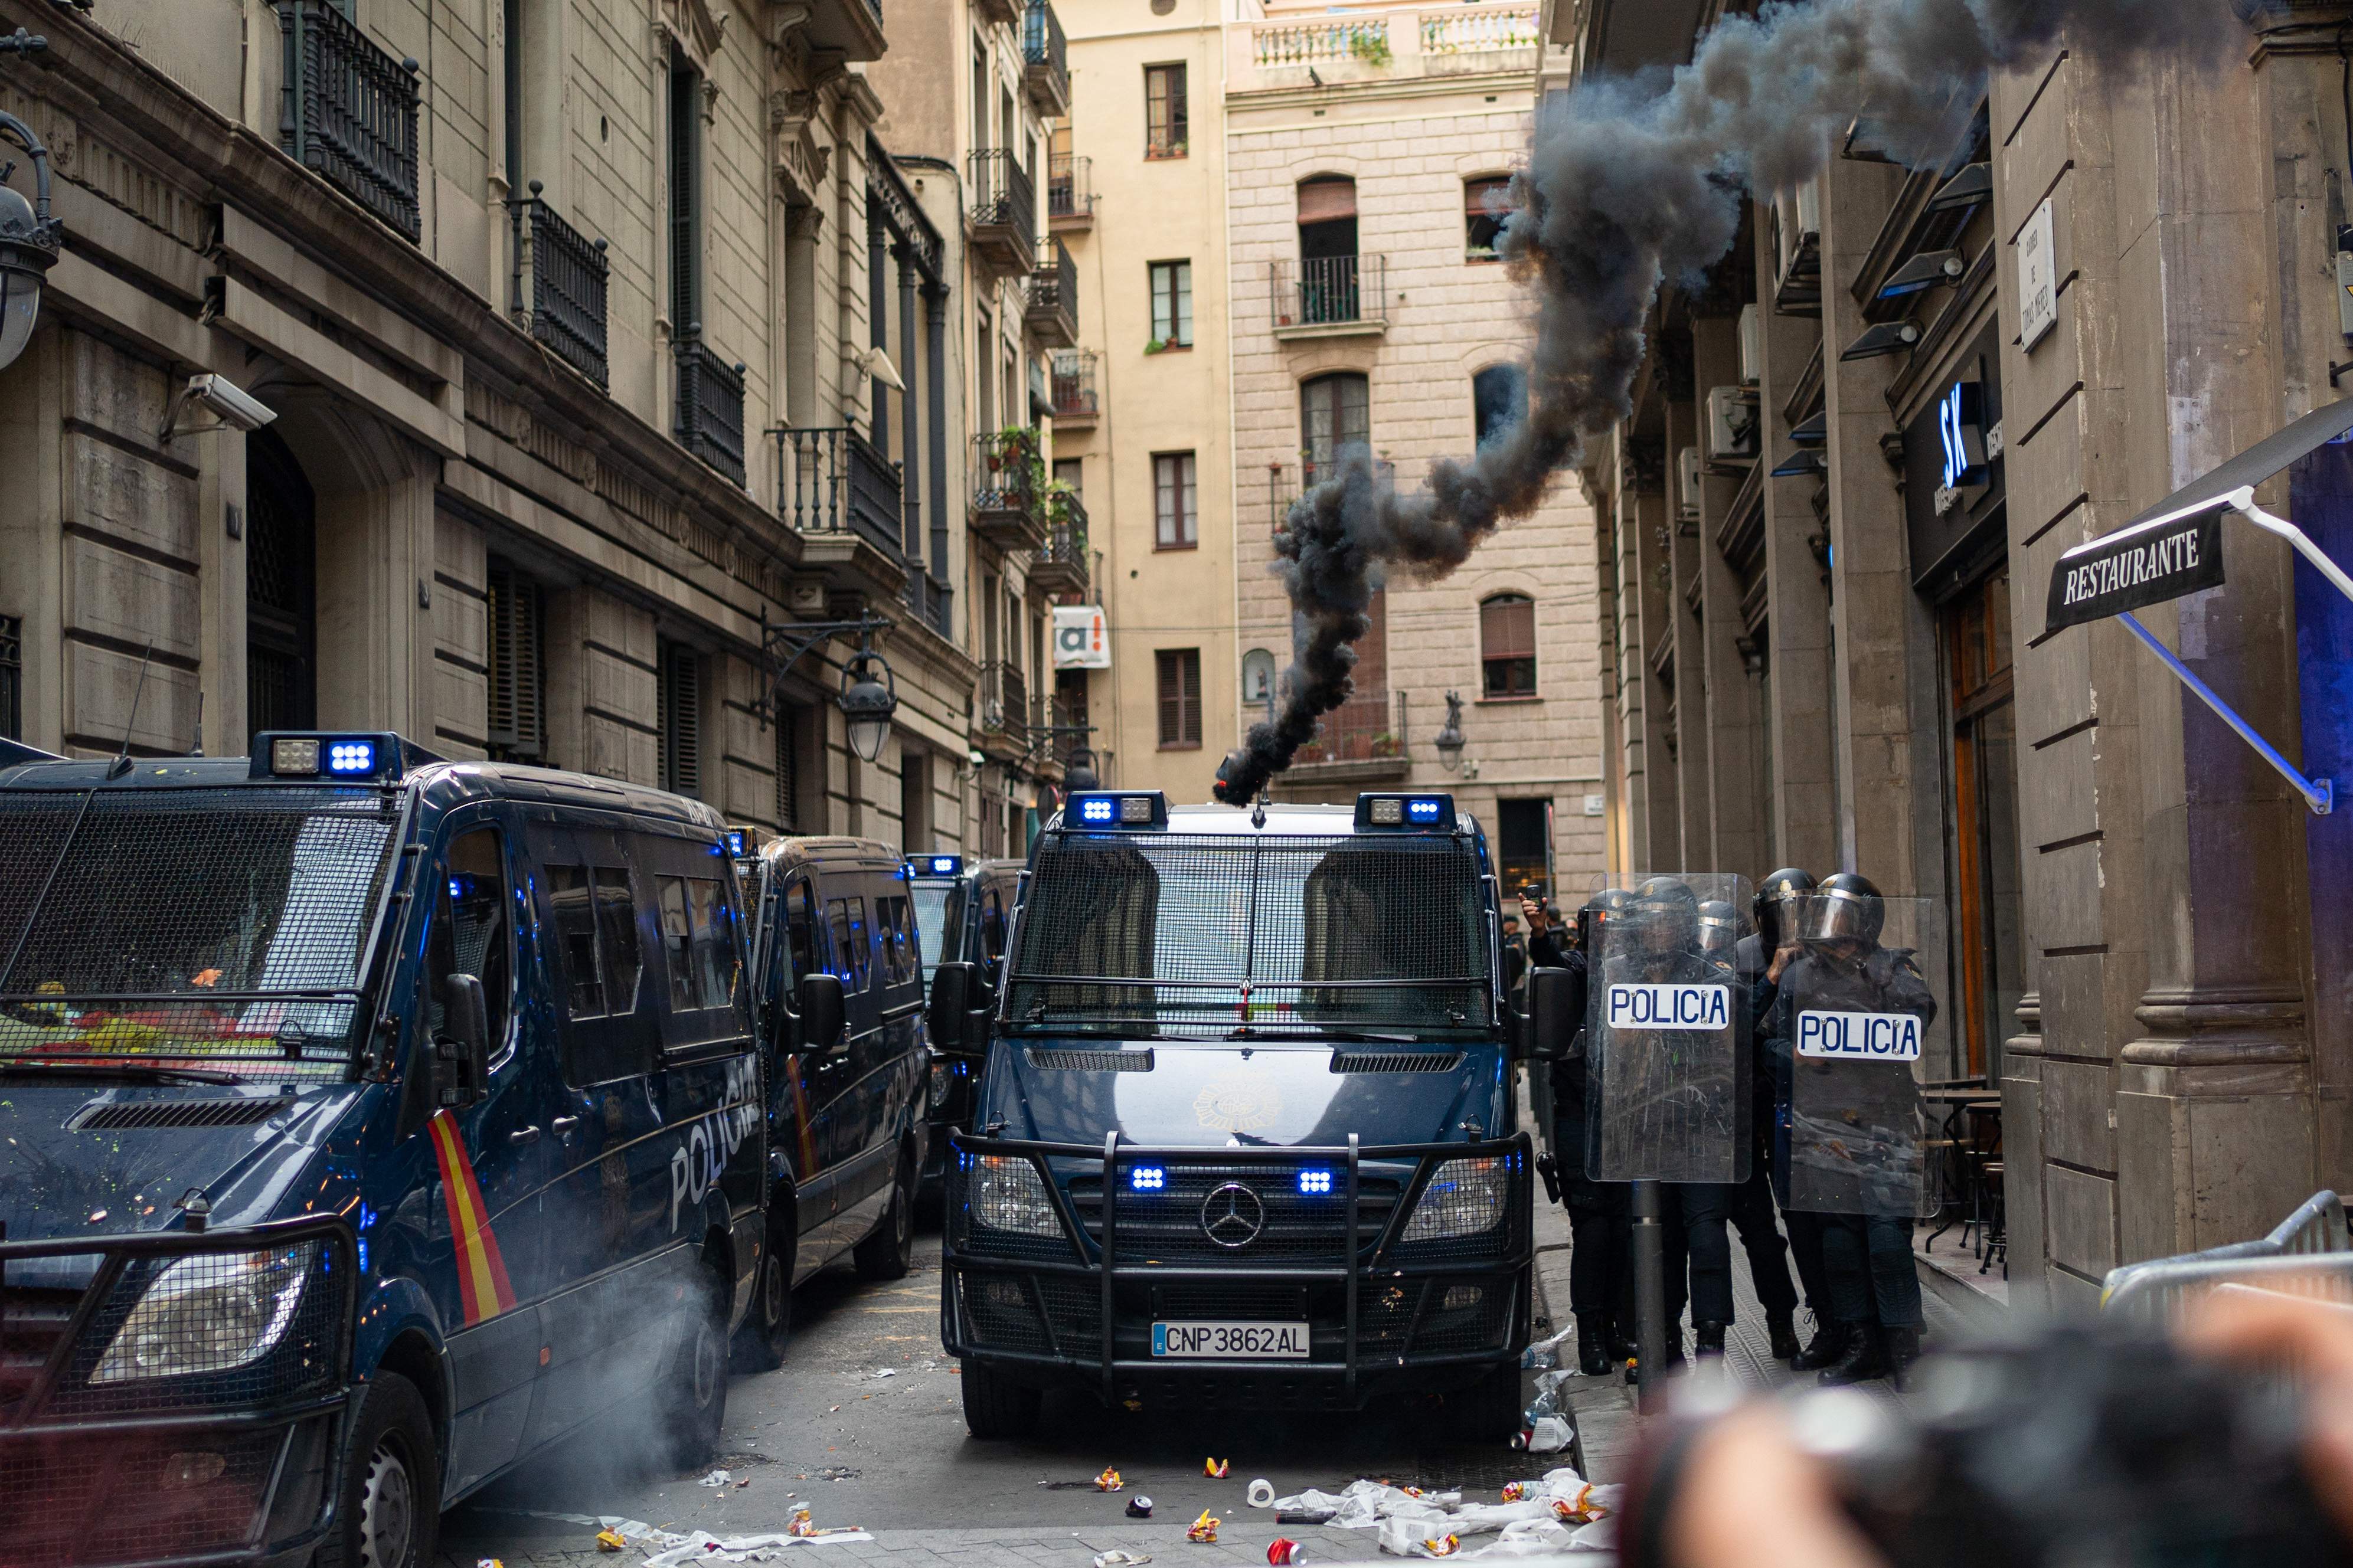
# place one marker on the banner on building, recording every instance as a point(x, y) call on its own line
point(1080, 639)
point(2157, 561)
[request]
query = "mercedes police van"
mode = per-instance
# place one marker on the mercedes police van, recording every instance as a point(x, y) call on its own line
point(965, 909)
point(372, 1123)
point(1248, 1135)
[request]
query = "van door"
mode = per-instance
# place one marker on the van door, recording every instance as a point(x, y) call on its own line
point(801, 1120)
point(490, 1160)
point(880, 1054)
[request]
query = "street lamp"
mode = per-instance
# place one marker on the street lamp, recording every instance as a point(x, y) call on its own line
point(1448, 738)
point(28, 245)
point(868, 703)
point(1079, 772)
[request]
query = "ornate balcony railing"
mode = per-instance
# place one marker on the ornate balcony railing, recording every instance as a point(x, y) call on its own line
point(559, 285)
point(1318, 42)
point(1005, 712)
point(1479, 29)
point(1004, 211)
point(1286, 483)
point(1004, 472)
point(1070, 195)
point(1369, 727)
point(1074, 382)
point(1045, 52)
point(932, 601)
point(1063, 564)
point(832, 481)
point(1054, 314)
point(347, 111)
point(1330, 292)
point(710, 407)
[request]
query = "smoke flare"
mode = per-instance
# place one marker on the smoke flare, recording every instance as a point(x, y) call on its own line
point(1629, 186)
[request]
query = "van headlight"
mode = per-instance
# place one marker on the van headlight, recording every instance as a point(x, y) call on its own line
point(1465, 1198)
point(1007, 1194)
point(211, 1312)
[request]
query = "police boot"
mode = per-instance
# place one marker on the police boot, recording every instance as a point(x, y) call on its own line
point(1709, 1337)
point(1903, 1350)
point(1783, 1328)
point(1593, 1346)
point(1622, 1348)
point(1831, 1338)
point(1865, 1357)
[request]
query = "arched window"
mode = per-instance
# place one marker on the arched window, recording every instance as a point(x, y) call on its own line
point(1499, 400)
point(1335, 413)
point(1507, 646)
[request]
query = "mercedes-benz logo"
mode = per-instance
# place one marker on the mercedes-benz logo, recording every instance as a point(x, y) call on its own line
point(1232, 1216)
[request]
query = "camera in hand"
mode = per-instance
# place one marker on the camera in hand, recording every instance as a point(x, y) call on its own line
point(2079, 1446)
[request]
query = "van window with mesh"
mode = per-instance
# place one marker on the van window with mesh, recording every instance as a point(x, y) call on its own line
point(472, 934)
point(575, 937)
point(1223, 933)
point(933, 900)
point(215, 926)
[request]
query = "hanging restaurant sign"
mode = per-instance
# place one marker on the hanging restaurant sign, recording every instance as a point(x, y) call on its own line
point(2146, 564)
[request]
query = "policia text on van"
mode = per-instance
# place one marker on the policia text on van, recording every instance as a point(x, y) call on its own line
point(1246, 1134)
point(372, 1123)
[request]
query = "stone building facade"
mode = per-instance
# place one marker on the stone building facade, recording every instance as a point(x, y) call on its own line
point(530, 348)
point(1831, 648)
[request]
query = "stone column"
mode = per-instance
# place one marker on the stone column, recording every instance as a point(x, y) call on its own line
point(1694, 793)
point(1728, 718)
point(911, 467)
point(220, 576)
point(601, 699)
point(1644, 590)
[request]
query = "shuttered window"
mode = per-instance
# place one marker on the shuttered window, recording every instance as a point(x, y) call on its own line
point(1180, 697)
point(685, 197)
point(1326, 200)
point(1176, 501)
point(679, 718)
point(1507, 646)
point(517, 611)
point(788, 726)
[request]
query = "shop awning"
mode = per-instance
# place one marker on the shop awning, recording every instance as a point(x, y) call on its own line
point(2176, 548)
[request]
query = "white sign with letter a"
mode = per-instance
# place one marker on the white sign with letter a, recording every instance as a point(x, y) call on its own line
point(1080, 639)
point(1860, 1037)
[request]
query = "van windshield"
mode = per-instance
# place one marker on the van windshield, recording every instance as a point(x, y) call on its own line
point(1226, 936)
point(933, 901)
point(222, 928)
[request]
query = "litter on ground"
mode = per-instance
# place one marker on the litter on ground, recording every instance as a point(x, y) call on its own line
point(1560, 1512)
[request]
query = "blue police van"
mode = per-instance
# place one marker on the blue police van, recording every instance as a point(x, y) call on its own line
point(373, 1122)
point(966, 908)
point(1249, 1132)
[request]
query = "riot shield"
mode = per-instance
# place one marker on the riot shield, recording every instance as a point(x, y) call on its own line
point(1852, 1023)
point(1668, 1072)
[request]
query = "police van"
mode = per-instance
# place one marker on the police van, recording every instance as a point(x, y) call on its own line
point(1249, 1132)
point(372, 1122)
point(840, 984)
point(965, 909)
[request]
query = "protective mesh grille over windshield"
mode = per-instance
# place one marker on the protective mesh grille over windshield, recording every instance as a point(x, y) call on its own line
point(188, 925)
point(1207, 933)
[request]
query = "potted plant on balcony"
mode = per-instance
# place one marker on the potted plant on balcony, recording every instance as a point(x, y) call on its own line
point(1385, 745)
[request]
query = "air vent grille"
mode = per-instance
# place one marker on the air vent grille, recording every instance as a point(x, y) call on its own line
point(121, 1115)
point(1089, 1061)
point(1395, 1061)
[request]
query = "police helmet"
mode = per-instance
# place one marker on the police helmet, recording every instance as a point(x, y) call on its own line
point(1593, 921)
point(1719, 929)
point(1778, 897)
point(1666, 915)
point(1843, 906)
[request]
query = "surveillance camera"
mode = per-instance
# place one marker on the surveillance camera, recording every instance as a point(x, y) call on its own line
point(234, 407)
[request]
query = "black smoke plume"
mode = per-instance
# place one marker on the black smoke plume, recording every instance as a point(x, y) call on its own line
point(1628, 187)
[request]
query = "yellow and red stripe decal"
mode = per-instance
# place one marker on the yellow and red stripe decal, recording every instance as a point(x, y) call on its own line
point(482, 1273)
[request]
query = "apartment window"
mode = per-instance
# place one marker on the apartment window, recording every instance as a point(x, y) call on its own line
point(1176, 501)
point(1070, 472)
point(915, 801)
point(1481, 226)
point(1507, 646)
point(12, 678)
point(791, 722)
point(1499, 400)
point(984, 383)
point(1172, 304)
point(979, 94)
point(685, 197)
point(677, 717)
point(1164, 111)
point(1335, 413)
point(1180, 697)
point(517, 729)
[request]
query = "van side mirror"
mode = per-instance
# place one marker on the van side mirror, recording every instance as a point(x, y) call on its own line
point(464, 1044)
point(949, 1021)
point(823, 1011)
point(1553, 1017)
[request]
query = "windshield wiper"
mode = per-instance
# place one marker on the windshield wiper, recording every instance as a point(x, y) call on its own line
point(146, 1072)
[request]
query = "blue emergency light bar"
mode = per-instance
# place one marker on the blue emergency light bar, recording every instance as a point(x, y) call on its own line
point(739, 842)
point(1147, 1178)
point(1129, 808)
point(937, 865)
point(1404, 814)
point(1315, 1182)
point(354, 757)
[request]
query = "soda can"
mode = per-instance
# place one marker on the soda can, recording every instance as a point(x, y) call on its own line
point(1139, 1507)
point(1282, 1549)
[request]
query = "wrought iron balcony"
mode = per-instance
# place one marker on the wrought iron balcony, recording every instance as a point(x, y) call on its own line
point(931, 601)
point(1364, 738)
point(1052, 317)
point(1006, 719)
point(835, 481)
point(1003, 217)
point(710, 407)
point(1285, 484)
point(853, 27)
point(1330, 296)
point(1070, 191)
point(1062, 565)
point(1073, 383)
point(1007, 476)
point(559, 284)
point(1045, 55)
point(347, 111)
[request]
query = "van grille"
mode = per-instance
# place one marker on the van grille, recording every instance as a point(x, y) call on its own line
point(1164, 1227)
point(1089, 1061)
point(121, 1115)
point(34, 1319)
point(1395, 1061)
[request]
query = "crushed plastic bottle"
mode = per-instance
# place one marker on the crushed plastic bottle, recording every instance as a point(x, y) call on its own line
point(1545, 1355)
point(1544, 1434)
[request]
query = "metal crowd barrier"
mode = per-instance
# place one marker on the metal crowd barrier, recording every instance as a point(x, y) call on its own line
point(2310, 1253)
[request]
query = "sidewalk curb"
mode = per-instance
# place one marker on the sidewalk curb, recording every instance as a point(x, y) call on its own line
point(1972, 1306)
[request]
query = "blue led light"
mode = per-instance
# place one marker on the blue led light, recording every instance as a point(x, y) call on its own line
point(351, 756)
point(1096, 808)
point(735, 841)
point(1421, 810)
point(1315, 1182)
point(1147, 1178)
point(363, 1255)
point(457, 889)
point(944, 865)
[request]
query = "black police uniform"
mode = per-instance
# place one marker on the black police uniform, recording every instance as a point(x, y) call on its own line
point(1600, 1214)
point(1749, 1206)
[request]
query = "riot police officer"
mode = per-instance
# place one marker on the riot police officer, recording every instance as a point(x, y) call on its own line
point(1778, 911)
point(1750, 1204)
point(1600, 1214)
point(1866, 1252)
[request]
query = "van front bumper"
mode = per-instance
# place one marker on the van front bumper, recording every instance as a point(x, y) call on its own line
point(1407, 1308)
point(220, 1465)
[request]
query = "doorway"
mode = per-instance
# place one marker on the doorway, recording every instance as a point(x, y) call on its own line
point(281, 630)
point(1989, 918)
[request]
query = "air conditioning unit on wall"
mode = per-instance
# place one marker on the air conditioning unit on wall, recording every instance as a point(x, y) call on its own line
point(1752, 345)
point(1731, 425)
point(1688, 472)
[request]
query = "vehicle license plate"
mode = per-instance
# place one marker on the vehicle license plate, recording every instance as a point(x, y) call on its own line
point(1231, 1342)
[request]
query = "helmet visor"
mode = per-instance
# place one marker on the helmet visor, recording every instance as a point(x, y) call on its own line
point(1838, 915)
